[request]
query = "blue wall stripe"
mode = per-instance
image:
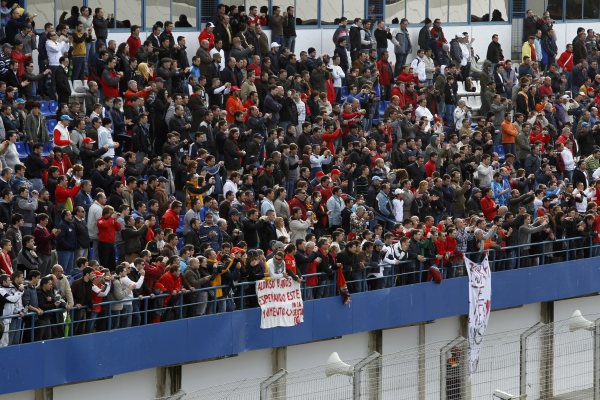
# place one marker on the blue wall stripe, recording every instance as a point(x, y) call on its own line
point(89, 357)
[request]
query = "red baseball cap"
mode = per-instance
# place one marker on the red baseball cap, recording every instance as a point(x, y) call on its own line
point(335, 171)
point(88, 140)
point(320, 174)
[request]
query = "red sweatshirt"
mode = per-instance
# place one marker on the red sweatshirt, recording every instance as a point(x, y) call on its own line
point(107, 229)
point(488, 206)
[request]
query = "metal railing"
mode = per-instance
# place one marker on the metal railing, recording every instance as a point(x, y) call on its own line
point(61, 322)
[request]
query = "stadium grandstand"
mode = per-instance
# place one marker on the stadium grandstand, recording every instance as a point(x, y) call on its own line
point(167, 168)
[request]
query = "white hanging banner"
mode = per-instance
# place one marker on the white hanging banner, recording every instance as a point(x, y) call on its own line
point(480, 303)
point(280, 303)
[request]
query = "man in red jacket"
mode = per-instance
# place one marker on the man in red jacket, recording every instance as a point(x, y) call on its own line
point(386, 75)
point(488, 205)
point(110, 79)
point(107, 232)
point(134, 41)
point(43, 242)
point(171, 218)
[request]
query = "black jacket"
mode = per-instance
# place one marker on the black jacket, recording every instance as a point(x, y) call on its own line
point(193, 238)
point(494, 53)
point(250, 233)
point(63, 89)
point(266, 232)
point(424, 36)
point(83, 236)
point(134, 239)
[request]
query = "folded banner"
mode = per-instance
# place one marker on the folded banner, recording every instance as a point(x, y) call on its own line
point(480, 296)
point(280, 303)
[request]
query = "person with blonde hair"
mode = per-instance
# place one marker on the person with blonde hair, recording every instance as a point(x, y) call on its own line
point(281, 230)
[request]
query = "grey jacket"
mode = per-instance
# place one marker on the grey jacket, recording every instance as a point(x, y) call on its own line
point(522, 145)
point(401, 40)
point(525, 232)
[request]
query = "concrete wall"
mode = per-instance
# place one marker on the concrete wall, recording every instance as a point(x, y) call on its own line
point(320, 39)
point(496, 369)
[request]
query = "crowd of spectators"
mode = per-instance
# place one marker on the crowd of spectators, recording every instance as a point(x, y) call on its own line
point(167, 173)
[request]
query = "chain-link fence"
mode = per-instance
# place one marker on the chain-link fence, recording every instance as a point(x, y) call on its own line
point(546, 361)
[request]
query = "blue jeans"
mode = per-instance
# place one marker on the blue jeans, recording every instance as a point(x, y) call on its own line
point(78, 68)
point(509, 148)
point(400, 62)
point(135, 309)
point(91, 322)
point(290, 187)
point(126, 316)
point(90, 50)
point(289, 42)
point(15, 333)
point(66, 259)
point(324, 289)
point(380, 51)
point(277, 39)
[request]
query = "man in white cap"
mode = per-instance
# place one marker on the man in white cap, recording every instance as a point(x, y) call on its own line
point(398, 205)
point(274, 56)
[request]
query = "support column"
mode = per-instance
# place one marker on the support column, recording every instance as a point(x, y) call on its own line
point(547, 351)
point(168, 380)
point(421, 360)
point(44, 394)
point(376, 345)
point(279, 362)
point(465, 377)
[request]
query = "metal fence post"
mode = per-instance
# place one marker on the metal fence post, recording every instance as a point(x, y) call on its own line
point(445, 353)
point(523, 357)
point(597, 360)
point(270, 381)
point(358, 369)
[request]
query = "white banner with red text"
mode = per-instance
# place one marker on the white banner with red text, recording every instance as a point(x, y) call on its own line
point(480, 303)
point(280, 303)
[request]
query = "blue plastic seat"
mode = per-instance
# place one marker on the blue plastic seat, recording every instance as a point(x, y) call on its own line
point(50, 124)
point(22, 149)
point(500, 150)
point(44, 108)
point(345, 91)
point(48, 146)
point(53, 106)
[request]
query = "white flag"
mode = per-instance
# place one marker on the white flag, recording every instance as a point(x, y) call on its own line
point(480, 303)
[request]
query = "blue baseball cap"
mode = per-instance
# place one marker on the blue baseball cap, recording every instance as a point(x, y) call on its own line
point(65, 117)
point(20, 101)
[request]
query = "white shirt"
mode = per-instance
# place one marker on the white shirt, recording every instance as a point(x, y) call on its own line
point(230, 185)
point(272, 273)
point(55, 51)
point(222, 53)
point(423, 112)
point(464, 48)
point(459, 115)
point(338, 74)
point(62, 130)
point(105, 137)
point(94, 213)
point(126, 283)
point(418, 66)
point(568, 160)
point(301, 107)
point(398, 209)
